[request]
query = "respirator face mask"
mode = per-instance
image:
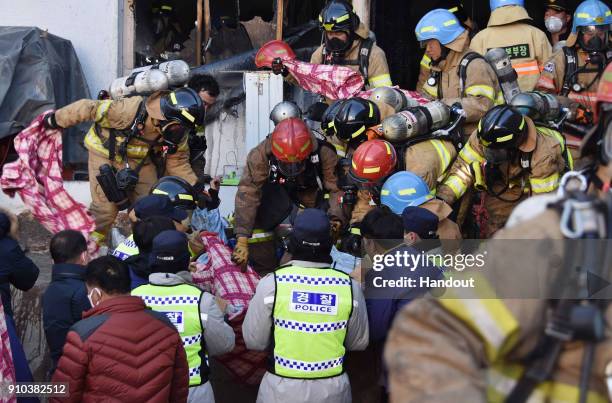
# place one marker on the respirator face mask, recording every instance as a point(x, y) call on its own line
point(593, 38)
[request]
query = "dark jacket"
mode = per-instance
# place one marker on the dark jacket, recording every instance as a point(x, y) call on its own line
point(384, 303)
point(139, 269)
point(16, 269)
point(63, 303)
point(122, 351)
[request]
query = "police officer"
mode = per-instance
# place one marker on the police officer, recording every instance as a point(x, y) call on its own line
point(557, 19)
point(406, 189)
point(507, 158)
point(456, 73)
point(131, 143)
point(193, 312)
point(290, 167)
point(312, 315)
point(574, 72)
point(526, 45)
point(346, 42)
point(454, 341)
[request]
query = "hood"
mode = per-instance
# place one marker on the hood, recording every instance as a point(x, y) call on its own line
point(507, 15)
point(460, 43)
point(362, 31)
point(139, 264)
point(571, 40)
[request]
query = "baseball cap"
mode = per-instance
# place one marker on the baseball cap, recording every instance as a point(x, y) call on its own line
point(421, 221)
point(312, 226)
point(169, 253)
point(157, 204)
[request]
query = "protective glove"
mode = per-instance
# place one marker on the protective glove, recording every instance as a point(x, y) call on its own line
point(240, 255)
point(279, 68)
point(49, 121)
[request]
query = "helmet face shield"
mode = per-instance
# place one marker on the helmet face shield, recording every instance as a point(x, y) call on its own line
point(291, 169)
point(593, 38)
point(496, 156)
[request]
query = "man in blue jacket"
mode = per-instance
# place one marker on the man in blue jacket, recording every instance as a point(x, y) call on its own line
point(18, 270)
point(65, 299)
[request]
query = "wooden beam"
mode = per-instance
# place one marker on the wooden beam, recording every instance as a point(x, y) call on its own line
point(198, 41)
point(206, 21)
point(280, 11)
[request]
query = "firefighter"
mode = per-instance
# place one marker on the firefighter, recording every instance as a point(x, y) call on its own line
point(455, 7)
point(346, 42)
point(507, 158)
point(405, 188)
point(573, 73)
point(132, 142)
point(479, 348)
point(526, 45)
point(290, 167)
point(284, 110)
point(456, 74)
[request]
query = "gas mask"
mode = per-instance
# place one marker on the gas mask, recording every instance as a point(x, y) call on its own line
point(173, 134)
point(598, 41)
point(336, 45)
point(553, 24)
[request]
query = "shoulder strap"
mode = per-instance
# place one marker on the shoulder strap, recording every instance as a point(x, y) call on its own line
point(462, 69)
point(364, 57)
point(571, 66)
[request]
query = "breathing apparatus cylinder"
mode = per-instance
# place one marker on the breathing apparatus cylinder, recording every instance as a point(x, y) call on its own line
point(539, 106)
point(506, 75)
point(139, 83)
point(177, 71)
point(393, 97)
point(416, 121)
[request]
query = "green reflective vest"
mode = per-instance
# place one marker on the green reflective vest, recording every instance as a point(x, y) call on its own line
point(181, 305)
point(312, 307)
point(126, 248)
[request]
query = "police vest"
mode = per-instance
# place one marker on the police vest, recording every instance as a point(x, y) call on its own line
point(312, 307)
point(181, 305)
point(126, 249)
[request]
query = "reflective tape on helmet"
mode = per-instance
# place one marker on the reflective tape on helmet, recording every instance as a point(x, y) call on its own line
point(469, 155)
point(342, 18)
point(428, 28)
point(448, 23)
point(159, 192)
point(188, 115)
point(385, 192)
point(545, 185)
point(481, 90)
point(358, 132)
point(382, 80)
point(406, 192)
point(443, 154)
point(503, 139)
point(456, 185)
point(167, 8)
point(527, 68)
point(453, 10)
point(183, 196)
point(371, 170)
point(173, 98)
point(355, 231)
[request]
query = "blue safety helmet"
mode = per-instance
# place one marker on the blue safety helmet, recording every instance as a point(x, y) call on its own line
point(591, 12)
point(404, 189)
point(439, 24)
point(501, 3)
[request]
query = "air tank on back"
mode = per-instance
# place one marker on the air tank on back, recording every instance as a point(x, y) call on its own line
point(416, 121)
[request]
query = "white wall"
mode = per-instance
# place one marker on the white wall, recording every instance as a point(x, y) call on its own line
point(91, 25)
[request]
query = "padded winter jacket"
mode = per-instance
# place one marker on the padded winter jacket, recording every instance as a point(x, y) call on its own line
point(122, 351)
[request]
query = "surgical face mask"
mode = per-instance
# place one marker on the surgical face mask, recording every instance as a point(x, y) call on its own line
point(90, 296)
point(553, 24)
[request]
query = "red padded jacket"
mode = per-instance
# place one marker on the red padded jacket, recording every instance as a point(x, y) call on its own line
point(122, 351)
